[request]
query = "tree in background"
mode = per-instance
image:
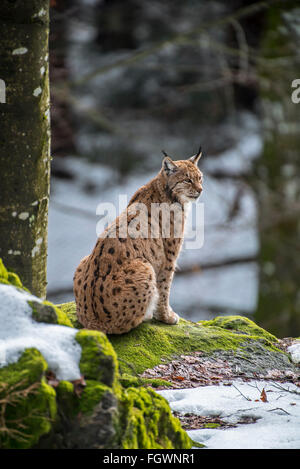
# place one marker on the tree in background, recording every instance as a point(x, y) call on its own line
point(25, 140)
point(277, 173)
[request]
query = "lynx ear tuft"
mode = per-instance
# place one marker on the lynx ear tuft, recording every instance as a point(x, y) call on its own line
point(168, 165)
point(196, 157)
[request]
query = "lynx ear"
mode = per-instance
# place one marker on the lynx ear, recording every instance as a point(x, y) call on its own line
point(168, 165)
point(196, 157)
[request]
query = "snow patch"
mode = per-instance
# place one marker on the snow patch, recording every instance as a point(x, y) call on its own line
point(277, 422)
point(19, 331)
point(294, 350)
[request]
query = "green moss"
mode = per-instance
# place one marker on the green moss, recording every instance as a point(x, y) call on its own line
point(70, 310)
point(66, 398)
point(48, 313)
point(13, 279)
point(84, 402)
point(62, 318)
point(28, 405)
point(150, 343)
point(133, 381)
point(148, 423)
point(3, 271)
point(211, 425)
point(31, 408)
point(241, 325)
point(153, 342)
point(43, 312)
point(9, 278)
point(98, 359)
point(91, 396)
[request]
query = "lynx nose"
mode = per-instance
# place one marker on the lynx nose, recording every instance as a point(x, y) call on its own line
point(198, 189)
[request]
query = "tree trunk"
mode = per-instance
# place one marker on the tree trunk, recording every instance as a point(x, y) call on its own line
point(277, 175)
point(25, 140)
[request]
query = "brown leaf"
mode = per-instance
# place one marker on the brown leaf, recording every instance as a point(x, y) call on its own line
point(263, 396)
point(53, 382)
point(179, 378)
point(50, 375)
point(79, 385)
point(51, 379)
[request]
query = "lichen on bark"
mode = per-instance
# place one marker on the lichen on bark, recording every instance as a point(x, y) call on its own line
point(25, 140)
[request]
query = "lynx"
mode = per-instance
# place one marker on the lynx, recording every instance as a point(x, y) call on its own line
point(127, 278)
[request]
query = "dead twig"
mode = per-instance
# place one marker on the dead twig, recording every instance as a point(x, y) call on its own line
point(279, 408)
point(243, 395)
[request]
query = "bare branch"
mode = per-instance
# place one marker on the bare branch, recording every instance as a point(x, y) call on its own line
point(216, 265)
point(176, 40)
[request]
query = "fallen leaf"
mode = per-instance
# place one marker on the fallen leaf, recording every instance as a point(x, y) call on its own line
point(263, 396)
point(79, 385)
point(51, 379)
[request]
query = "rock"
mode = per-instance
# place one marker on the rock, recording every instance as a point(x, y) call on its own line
point(112, 405)
point(27, 402)
point(43, 313)
point(96, 411)
point(240, 342)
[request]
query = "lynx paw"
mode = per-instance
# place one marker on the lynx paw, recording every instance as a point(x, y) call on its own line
point(172, 318)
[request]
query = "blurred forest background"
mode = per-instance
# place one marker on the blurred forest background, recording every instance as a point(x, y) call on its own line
point(129, 78)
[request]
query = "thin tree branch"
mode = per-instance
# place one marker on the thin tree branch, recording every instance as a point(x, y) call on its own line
point(216, 265)
point(176, 40)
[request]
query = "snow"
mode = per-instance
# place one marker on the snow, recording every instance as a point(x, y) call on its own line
point(19, 331)
point(277, 422)
point(294, 350)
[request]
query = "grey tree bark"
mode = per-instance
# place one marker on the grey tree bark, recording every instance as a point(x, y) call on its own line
point(25, 140)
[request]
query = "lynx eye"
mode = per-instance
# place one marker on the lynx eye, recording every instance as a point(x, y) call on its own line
point(189, 181)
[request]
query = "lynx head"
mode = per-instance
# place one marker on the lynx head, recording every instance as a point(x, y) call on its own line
point(183, 178)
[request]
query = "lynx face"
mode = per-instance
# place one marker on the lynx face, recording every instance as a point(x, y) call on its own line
point(183, 178)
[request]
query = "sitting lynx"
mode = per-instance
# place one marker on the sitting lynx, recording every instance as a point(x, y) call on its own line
point(127, 278)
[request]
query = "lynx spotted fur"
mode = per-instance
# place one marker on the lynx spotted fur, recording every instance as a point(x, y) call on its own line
point(127, 279)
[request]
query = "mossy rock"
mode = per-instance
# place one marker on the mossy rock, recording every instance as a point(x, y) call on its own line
point(148, 422)
point(9, 278)
point(113, 406)
point(42, 311)
point(98, 359)
point(28, 403)
point(154, 342)
point(241, 325)
point(49, 313)
point(96, 412)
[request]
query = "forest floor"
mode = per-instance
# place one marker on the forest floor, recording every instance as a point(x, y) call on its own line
point(215, 393)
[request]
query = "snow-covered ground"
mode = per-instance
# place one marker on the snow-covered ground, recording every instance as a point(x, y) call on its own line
point(19, 331)
point(73, 221)
point(276, 423)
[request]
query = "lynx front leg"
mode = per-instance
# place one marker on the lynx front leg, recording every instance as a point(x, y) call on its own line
point(164, 311)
